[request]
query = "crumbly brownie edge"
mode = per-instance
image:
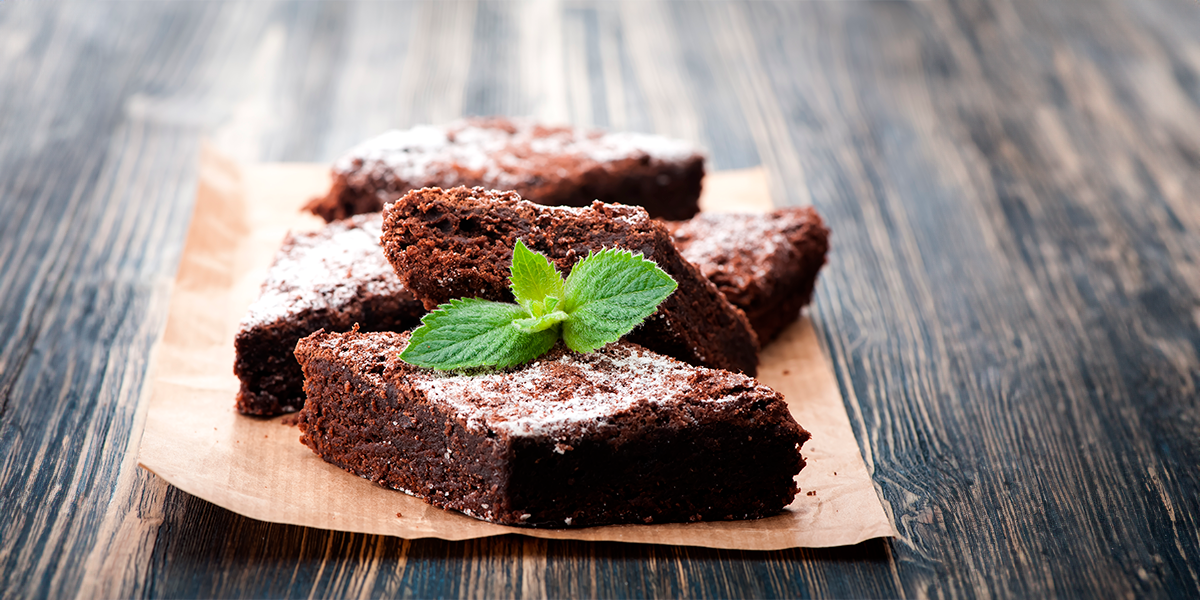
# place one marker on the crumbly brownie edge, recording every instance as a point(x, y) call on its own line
point(809, 235)
point(644, 467)
point(343, 201)
point(271, 381)
point(667, 190)
point(387, 432)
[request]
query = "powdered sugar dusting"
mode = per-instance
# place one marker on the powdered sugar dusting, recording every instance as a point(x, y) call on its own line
point(546, 396)
point(711, 240)
point(635, 216)
point(620, 146)
point(326, 269)
point(499, 153)
point(418, 141)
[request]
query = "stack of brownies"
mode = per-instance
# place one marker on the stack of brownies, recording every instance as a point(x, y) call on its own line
point(667, 425)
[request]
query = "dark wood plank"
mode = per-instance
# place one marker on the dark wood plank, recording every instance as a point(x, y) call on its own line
point(989, 318)
point(92, 200)
point(1011, 306)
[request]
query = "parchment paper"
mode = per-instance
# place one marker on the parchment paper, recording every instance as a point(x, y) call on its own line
point(196, 441)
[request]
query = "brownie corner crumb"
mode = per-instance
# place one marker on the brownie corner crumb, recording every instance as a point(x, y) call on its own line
point(332, 278)
point(767, 265)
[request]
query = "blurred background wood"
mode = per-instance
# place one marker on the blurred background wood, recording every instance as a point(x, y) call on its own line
point(1012, 305)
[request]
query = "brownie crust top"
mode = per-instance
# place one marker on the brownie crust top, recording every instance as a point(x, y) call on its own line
point(561, 394)
point(312, 269)
point(506, 154)
point(740, 252)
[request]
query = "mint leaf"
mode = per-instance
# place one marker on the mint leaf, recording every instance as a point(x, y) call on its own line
point(533, 279)
point(541, 323)
point(474, 333)
point(608, 294)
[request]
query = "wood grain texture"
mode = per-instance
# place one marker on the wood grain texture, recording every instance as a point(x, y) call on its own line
point(1012, 305)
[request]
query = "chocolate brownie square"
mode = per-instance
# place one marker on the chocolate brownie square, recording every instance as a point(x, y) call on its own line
point(766, 264)
point(328, 279)
point(457, 243)
point(545, 164)
point(620, 435)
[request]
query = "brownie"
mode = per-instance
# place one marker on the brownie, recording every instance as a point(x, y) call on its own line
point(328, 279)
point(457, 243)
point(620, 435)
point(765, 265)
point(548, 165)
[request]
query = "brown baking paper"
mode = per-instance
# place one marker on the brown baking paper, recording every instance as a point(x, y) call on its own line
point(196, 441)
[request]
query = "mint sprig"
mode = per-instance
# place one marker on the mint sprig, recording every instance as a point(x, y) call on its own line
point(470, 332)
point(606, 296)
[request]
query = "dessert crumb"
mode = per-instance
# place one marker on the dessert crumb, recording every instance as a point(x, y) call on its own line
point(812, 493)
point(399, 516)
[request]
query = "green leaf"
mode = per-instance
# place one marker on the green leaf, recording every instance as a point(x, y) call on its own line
point(608, 294)
point(541, 323)
point(473, 333)
point(533, 278)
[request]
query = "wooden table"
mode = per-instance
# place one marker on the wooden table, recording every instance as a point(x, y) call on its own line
point(1012, 305)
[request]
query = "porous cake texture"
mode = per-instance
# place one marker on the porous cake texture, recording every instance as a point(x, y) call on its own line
point(621, 435)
